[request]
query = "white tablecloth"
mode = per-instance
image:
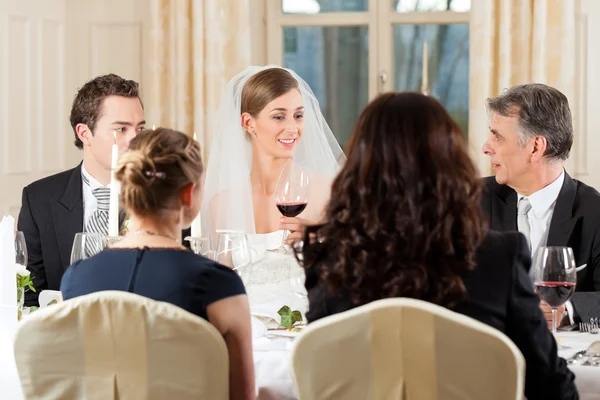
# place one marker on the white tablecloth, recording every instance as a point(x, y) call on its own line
point(587, 378)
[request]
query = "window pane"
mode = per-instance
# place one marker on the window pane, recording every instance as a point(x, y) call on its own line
point(323, 6)
point(431, 5)
point(334, 62)
point(448, 48)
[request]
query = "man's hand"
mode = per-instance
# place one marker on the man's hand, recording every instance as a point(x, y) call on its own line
point(295, 226)
point(560, 312)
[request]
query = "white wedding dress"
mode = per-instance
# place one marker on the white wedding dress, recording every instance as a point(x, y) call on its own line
point(269, 267)
point(275, 279)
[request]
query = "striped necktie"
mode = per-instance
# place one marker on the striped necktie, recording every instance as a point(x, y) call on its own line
point(98, 222)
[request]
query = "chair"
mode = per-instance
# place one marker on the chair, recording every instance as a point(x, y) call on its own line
point(405, 349)
point(118, 345)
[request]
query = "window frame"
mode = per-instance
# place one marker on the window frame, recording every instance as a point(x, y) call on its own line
point(380, 21)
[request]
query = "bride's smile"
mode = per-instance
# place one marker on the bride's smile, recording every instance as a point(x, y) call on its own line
point(288, 142)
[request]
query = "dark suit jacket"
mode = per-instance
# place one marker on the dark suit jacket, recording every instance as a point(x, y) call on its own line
point(499, 294)
point(575, 223)
point(51, 214)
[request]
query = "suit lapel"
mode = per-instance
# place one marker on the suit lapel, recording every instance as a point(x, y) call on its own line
point(562, 223)
point(67, 214)
point(504, 209)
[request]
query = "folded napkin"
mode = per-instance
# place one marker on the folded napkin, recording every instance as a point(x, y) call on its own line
point(8, 280)
point(48, 296)
point(586, 305)
point(266, 300)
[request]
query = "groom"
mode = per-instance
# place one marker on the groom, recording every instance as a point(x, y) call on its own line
point(55, 208)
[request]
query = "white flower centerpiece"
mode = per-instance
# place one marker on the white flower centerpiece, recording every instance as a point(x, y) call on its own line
point(23, 283)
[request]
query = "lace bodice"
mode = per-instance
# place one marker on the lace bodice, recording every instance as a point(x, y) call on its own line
point(268, 266)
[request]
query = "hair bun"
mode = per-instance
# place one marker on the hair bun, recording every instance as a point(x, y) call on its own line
point(136, 169)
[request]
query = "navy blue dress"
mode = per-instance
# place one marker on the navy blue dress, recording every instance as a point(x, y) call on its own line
point(179, 277)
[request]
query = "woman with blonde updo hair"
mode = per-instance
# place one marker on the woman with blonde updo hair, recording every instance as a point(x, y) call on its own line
point(161, 188)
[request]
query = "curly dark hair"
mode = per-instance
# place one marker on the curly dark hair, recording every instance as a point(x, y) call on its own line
point(88, 101)
point(404, 218)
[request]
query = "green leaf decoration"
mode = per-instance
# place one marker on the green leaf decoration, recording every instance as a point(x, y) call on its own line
point(32, 309)
point(53, 302)
point(289, 317)
point(296, 316)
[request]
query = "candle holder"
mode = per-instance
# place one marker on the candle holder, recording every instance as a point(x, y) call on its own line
point(200, 245)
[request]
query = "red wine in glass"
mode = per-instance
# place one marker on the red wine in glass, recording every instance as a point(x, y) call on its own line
point(291, 194)
point(555, 293)
point(291, 209)
point(554, 276)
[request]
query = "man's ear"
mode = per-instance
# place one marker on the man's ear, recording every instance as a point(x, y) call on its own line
point(540, 144)
point(84, 133)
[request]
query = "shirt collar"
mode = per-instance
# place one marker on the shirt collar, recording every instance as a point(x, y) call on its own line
point(89, 179)
point(543, 200)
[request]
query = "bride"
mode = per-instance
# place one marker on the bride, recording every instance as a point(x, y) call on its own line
point(269, 116)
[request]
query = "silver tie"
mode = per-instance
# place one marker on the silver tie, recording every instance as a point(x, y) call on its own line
point(98, 222)
point(522, 219)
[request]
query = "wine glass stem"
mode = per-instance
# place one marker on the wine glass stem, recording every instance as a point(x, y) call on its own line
point(286, 233)
point(554, 320)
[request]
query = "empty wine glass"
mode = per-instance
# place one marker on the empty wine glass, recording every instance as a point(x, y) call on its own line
point(200, 246)
point(555, 276)
point(88, 244)
point(20, 249)
point(291, 194)
point(297, 276)
point(234, 251)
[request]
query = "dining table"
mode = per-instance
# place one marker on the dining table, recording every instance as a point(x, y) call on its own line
point(272, 351)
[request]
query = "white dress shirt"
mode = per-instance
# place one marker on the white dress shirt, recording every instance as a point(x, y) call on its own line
point(540, 215)
point(89, 200)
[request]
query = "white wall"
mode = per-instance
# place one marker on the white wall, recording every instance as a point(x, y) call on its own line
point(33, 114)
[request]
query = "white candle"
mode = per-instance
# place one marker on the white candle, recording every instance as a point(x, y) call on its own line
point(196, 224)
point(153, 127)
point(425, 85)
point(115, 188)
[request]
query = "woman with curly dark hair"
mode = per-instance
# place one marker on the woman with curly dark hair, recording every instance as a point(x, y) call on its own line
point(404, 220)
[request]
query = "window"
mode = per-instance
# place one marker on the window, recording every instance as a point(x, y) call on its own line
point(350, 50)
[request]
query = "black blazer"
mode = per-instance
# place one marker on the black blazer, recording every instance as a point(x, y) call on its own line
point(51, 214)
point(499, 294)
point(575, 223)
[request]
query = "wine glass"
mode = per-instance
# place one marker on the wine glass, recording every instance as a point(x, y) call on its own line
point(555, 276)
point(298, 275)
point(200, 246)
point(291, 194)
point(20, 249)
point(88, 244)
point(234, 252)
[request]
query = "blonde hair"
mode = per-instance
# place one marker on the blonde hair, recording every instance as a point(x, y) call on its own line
point(264, 87)
point(157, 165)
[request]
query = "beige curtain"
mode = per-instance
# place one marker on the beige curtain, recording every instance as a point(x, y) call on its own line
point(514, 42)
point(196, 46)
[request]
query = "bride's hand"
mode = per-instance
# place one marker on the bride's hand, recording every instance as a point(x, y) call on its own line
point(295, 226)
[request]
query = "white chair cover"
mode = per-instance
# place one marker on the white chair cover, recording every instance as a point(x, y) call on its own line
point(118, 345)
point(405, 349)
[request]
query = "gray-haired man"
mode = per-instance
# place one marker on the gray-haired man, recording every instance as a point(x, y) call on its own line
point(531, 137)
